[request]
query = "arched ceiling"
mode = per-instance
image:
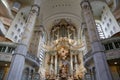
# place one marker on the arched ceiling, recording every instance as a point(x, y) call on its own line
point(53, 10)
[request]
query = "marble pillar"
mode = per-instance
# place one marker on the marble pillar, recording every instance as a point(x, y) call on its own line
point(71, 63)
point(17, 63)
point(100, 62)
point(75, 62)
point(51, 64)
point(18, 59)
point(56, 64)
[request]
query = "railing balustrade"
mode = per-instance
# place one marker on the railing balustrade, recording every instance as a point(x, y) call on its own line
point(10, 48)
point(108, 44)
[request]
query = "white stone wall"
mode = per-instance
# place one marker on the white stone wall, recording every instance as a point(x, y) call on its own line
point(110, 25)
point(17, 27)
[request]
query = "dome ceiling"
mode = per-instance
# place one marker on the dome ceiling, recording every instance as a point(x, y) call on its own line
point(53, 10)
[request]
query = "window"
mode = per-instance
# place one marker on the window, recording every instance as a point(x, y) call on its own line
point(104, 18)
point(111, 32)
point(9, 50)
point(105, 29)
point(117, 44)
point(18, 30)
point(108, 25)
point(12, 33)
point(24, 17)
point(15, 37)
point(114, 28)
point(110, 20)
point(21, 13)
point(3, 48)
point(0, 48)
point(102, 12)
point(103, 22)
point(100, 31)
point(21, 23)
point(108, 46)
point(103, 7)
point(19, 40)
point(16, 26)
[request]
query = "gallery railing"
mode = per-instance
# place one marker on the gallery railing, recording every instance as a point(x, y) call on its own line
point(111, 46)
point(7, 49)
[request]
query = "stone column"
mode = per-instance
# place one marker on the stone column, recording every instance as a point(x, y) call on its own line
point(75, 62)
point(17, 63)
point(47, 58)
point(18, 59)
point(100, 61)
point(55, 64)
point(51, 64)
point(71, 63)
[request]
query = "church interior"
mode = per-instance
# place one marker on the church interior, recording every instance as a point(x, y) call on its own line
point(59, 39)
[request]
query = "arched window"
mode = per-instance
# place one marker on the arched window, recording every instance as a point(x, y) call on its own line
point(100, 30)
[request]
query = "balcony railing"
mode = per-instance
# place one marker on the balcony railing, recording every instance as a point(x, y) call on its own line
point(112, 49)
point(33, 58)
point(88, 55)
point(7, 49)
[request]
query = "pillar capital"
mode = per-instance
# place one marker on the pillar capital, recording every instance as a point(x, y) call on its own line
point(35, 9)
point(85, 4)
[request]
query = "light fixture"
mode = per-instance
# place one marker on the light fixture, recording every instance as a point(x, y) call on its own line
point(5, 64)
point(115, 62)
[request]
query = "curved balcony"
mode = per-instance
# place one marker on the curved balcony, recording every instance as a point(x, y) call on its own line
point(88, 59)
point(112, 50)
point(33, 59)
point(112, 47)
point(7, 49)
